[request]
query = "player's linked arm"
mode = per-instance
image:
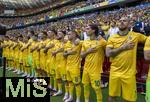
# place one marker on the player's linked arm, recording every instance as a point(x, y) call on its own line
point(34, 48)
point(48, 47)
point(111, 52)
point(71, 52)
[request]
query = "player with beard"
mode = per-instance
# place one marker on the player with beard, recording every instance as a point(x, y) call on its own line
point(122, 48)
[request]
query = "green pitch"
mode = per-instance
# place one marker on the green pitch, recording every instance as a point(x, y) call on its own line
point(92, 94)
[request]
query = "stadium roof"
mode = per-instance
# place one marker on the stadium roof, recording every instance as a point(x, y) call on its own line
point(16, 4)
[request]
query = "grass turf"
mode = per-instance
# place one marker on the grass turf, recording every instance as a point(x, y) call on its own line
point(92, 94)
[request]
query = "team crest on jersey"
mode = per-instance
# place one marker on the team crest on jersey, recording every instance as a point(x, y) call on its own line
point(130, 37)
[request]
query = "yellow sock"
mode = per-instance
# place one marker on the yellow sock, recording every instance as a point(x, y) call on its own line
point(78, 91)
point(86, 92)
point(60, 86)
point(71, 87)
point(98, 94)
point(66, 88)
point(55, 83)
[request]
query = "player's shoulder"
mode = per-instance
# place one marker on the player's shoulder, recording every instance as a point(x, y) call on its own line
point(148, 39)
point(30, 40)
point(132, 33)
point(114, 37)
point(85, 41)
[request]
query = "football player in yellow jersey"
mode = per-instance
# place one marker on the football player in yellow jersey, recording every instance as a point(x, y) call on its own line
point(29, 56)
point(25, 57)
point(16, 54)
point(122, 48)
point(147, 57)
point(35, 55)
point(43, 55)
point(50, 35)
point(72, 53)
point(11, 51)
point(60, 61)
point(11, 54)
point(93, 52)
point(5, 46)
point(50, 63)
point(53, 64)
point(20, 42)
point(8, 54)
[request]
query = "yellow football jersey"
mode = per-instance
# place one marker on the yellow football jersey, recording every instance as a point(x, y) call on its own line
point(74, 61)
point(5, 49)
point(35, 53)
point(60, 59)
point(147, 47)
point(20, 53)
point(29, 48)
point(53, 58)
point(42, 54)
point(16, 50)
point(125, 62)
point(25, 51)
point(12, 50)
point(8, 49)
point(94, 61)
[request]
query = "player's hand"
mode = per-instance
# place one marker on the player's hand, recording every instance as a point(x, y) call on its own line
point(31, 50)
point(92, 50)
point(77, 41)
point(43, 46)
point(127, 46)
point(54, 53)
point(45, 51)
point(65, 54)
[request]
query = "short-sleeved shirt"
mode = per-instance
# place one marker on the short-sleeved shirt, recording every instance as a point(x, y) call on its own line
point(124, 63)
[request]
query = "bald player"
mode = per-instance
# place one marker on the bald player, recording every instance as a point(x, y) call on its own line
point(122, 48)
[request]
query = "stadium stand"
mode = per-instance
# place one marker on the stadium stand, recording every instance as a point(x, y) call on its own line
point(77, 15)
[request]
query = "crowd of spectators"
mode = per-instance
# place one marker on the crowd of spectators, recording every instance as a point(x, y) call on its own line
point(106, 20)
point(45, 16)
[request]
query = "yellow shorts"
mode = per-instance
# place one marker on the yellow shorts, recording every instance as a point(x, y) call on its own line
point(52, 72)
point(123, 86)
point(61, 74)
point(16, 62)
point(35, 63)
point(74, 75)
point(91, 78)
point(25, 61)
